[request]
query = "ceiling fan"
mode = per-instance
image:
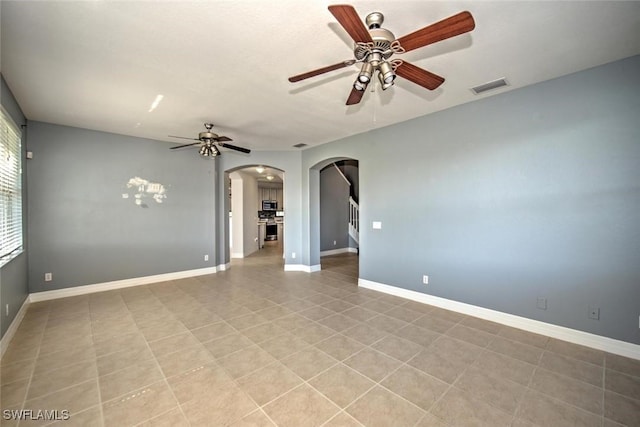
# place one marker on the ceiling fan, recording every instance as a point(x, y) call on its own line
point(375, 45)
point(208, 141)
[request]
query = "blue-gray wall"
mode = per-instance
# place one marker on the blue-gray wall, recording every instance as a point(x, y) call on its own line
point(334, 210)
point(13, 275)
point(83, 231)
point(534, 192)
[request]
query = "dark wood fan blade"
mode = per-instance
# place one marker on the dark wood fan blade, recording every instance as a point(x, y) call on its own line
point(320, 71)
point(223, 138)
point(182, 137)
point(355, 96)
point(419, 76)
point(185, 145)
point(455, 25)
point(234, 147)
point(351, 22)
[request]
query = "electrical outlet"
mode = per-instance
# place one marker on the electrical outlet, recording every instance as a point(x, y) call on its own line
point(542, 303)
point(206, 257)
point(48, 277)
point(594, 312)
point(425, 279)
point(335, 243)
point(293, 255)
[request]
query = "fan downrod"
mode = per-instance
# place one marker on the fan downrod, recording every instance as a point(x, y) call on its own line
point(381, 37)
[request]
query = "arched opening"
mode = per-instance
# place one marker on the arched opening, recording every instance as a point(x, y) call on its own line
point(334, 215)
point(256, 206)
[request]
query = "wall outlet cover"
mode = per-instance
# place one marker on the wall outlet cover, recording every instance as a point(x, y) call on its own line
point(542, 303)
point(594, 312)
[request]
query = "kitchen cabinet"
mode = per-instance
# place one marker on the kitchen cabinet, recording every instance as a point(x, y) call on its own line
point(268, 193)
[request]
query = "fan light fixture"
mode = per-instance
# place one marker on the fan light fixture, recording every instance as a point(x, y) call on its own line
point(386, 75)
point(259, 169)
point(386, 71)
point(358, 85)
point(384, 85)
point(365, 73)
point(209, 150)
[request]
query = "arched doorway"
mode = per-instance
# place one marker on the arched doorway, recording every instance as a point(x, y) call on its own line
point(334, 215)
point(256, 206)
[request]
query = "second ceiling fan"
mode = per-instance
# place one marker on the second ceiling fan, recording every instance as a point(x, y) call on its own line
point(375, 45)
point(208, 140)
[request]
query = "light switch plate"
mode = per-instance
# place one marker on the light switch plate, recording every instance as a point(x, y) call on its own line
point(377, 225)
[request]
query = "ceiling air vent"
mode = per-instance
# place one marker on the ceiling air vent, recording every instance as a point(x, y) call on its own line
point(489, 86)
point(302, 144)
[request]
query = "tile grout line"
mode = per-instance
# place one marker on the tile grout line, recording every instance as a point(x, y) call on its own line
point(528, 386)
point(97, 372)
point(379, 383)
point(307, 382)
point(164, 376)
point(236, 380)
point(231, 378)
point(604, 387)
point(26, 392)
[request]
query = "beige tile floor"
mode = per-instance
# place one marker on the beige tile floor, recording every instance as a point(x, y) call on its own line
point(254, 346)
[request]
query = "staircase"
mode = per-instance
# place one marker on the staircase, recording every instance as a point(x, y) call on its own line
point(354, 210)
point(354, 220)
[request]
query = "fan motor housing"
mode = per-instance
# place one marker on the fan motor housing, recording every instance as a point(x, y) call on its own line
point(203, 136)
point(382, 38)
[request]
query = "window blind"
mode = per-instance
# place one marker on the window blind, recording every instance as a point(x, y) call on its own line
point(10, 188)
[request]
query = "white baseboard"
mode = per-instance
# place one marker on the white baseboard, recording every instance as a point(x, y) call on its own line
point(598, 342)
point(302, 267)
point(237, 255)
point(338, 251)
point(118, 284)
point(11, 331)
point(224, 267)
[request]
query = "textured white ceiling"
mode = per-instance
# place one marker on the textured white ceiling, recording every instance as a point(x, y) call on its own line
point(100, 64)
